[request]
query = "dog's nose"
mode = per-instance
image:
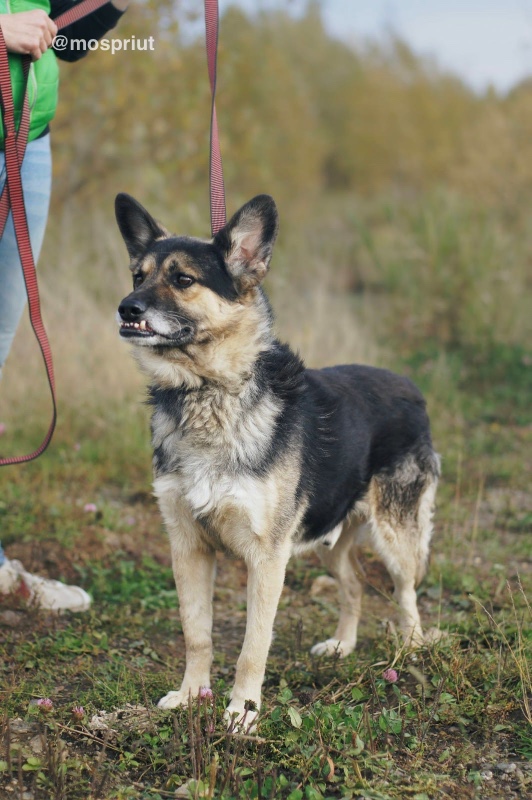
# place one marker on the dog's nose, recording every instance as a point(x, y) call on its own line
point(132, 309)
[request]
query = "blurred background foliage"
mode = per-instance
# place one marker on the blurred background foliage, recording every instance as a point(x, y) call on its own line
point(404, 196)
point(299, 111)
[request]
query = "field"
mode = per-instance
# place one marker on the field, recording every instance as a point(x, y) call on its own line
point(423, 269)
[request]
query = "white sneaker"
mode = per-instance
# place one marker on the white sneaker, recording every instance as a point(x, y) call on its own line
point(43, 592)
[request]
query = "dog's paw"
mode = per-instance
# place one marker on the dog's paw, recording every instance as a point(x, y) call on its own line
point(434, 635)
point(174, 699)
point(413, 638)
point(240, 720)
point(332, 647)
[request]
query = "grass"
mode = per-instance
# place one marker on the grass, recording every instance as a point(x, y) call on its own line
point(457, 723)
point(329, 728)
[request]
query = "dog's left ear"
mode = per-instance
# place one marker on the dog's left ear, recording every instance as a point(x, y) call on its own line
point(247, 241)
point(138, 228)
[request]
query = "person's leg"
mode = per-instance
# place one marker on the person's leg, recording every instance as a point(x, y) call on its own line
point(36, 181)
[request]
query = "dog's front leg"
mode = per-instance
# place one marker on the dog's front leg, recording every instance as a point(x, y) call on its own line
point(194, 577)
point(265, 583)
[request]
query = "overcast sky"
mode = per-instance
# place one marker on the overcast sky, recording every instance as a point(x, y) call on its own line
point(484, 41)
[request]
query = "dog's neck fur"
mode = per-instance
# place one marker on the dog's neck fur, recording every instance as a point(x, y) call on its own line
point(224, 362)
point(205, 399)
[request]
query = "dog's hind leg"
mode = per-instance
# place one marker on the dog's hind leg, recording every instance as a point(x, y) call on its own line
point(401, 525)
point(341, 561)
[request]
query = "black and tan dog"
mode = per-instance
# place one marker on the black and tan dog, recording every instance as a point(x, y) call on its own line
point(260, 457)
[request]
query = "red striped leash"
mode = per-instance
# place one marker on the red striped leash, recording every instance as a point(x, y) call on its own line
point(22, 140)
point(20, 223)
point(216, 175)
point(12, 198)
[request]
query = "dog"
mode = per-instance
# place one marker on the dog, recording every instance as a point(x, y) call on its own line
point(255, 455)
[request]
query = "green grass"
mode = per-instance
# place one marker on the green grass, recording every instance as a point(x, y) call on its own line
point(328, 728)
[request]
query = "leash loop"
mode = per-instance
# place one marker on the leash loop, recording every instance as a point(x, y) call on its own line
point(20, 224)
point(12, 199)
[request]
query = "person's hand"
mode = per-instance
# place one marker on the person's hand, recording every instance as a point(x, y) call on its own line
point(28, 32)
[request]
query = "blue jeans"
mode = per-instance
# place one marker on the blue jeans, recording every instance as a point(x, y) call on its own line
point(37, 186)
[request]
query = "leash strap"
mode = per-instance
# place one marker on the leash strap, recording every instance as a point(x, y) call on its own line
point(22, 140)
point(20, 223)
point(12, 198)
point(216, 175)
point(77, 12)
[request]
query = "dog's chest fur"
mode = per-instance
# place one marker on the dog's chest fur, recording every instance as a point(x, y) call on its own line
point(209, 445)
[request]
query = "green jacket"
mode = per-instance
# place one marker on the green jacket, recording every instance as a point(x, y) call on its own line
point(43, 80)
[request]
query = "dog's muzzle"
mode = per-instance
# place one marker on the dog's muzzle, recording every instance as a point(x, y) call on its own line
point(133, 312)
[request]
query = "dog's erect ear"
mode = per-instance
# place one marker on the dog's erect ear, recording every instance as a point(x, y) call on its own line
point(138, 228)
point(247, 241)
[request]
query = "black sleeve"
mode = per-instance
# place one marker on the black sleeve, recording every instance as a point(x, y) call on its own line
point(93, 26)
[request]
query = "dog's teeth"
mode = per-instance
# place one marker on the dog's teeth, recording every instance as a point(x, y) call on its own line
point(142, 325)
point(136, 325)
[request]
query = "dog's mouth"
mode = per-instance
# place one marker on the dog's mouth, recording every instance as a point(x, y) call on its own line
point(141, 328)
point(143, 331)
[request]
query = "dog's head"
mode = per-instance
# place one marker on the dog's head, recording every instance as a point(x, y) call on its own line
point(189, 291)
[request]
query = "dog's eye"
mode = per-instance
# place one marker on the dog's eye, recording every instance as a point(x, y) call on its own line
point(183, 280)
point(137, 280)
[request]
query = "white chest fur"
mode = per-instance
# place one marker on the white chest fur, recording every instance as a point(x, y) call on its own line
point(211, 459)
point(228, 504)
